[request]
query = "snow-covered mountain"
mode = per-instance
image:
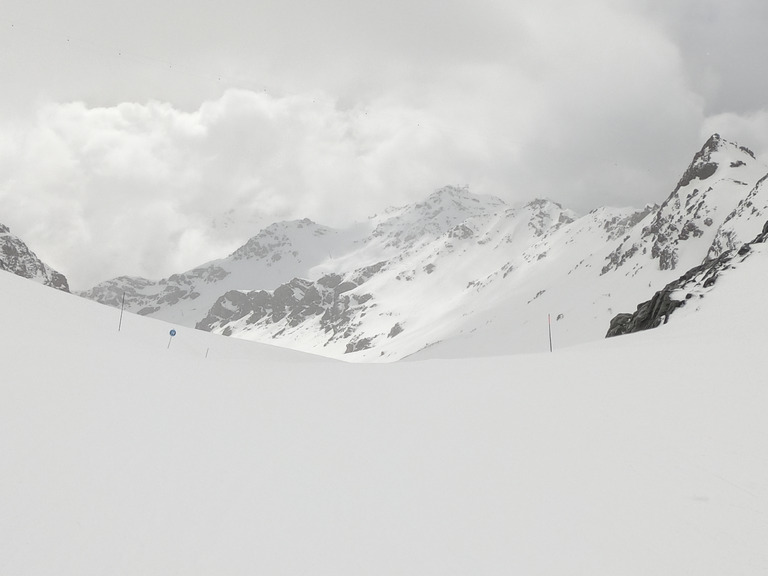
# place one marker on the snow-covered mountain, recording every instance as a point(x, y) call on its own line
point(430, 277)
point(409, 282)
point(619, 270)
point(278, 253)
point(17, 258)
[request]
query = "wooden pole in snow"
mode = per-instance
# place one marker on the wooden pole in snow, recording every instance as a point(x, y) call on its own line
point(122, 306)
point(549, 324)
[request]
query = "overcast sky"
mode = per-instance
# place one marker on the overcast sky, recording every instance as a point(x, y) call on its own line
point(147, 137)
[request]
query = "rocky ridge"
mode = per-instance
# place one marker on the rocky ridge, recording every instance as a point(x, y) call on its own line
point(687, 222)
point(691, 286)
point(17, 258)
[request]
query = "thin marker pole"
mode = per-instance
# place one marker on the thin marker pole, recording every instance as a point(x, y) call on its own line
point(549, 323)
point(122, 306)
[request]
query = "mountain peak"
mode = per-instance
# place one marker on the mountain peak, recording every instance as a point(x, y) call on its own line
point(715, 152)
point(710, 189)
point(280, 235)
point(716, 143)
point(713, 143)
point(542, 203)
point(459, 196)
point(450, 192)
point(289, 225)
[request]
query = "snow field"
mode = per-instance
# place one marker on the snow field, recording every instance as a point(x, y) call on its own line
point(636, 455)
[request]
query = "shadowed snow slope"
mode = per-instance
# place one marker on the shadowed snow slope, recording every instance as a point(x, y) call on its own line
point(637, 455)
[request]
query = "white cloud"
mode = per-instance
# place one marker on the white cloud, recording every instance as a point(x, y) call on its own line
point(369, 105)
point(136, 187)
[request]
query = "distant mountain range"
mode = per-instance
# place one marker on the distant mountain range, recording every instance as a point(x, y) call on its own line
point(458, 274)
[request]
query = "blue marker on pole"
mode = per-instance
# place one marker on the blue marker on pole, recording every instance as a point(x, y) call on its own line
point(173, 333)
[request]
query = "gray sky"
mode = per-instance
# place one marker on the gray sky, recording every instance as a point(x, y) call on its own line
point(146, 137)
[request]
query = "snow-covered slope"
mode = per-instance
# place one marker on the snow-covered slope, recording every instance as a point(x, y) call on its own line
point(278, 253)
point(744, 222)
point(17, 258)
point(636, 455)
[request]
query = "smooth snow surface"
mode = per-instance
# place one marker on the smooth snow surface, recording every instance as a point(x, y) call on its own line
point(642, 454)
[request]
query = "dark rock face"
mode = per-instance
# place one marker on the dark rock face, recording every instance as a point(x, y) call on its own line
point(649, 314)
point(358, 344)
point(328, 300)
point(701, 167)
point(396, 329)
point(461, 232)
point(657, 310)
point(17, 258)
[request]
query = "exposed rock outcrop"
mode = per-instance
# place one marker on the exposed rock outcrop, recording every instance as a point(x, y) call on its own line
point(17, 258)
point(692, 284)
point(718, 177)
point(329, 300)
